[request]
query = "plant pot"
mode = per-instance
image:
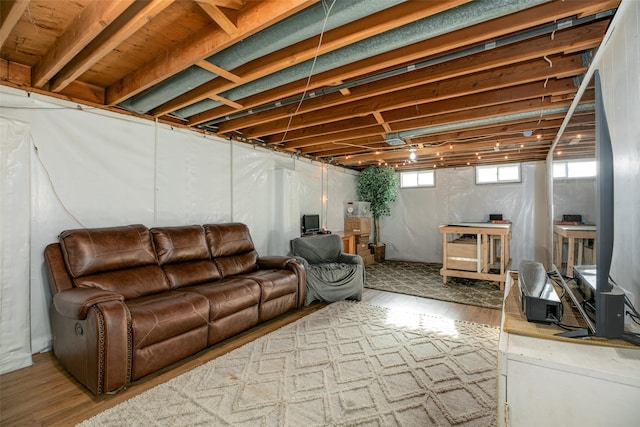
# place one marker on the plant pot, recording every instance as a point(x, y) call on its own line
point(378, 252)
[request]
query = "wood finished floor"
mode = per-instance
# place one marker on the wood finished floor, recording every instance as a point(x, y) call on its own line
point(45, 395)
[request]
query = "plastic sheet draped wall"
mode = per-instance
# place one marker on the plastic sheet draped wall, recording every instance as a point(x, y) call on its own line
point(93, 168)
point(412, 233)
point(15, 352)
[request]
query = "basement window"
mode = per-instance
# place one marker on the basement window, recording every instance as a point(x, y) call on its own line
point(417, 179)
point(574, 169)
point(498, 174)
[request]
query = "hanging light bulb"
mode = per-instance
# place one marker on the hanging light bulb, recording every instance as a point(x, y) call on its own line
point(412, 156)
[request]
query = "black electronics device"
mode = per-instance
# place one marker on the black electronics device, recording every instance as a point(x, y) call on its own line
point(310, 224)
point(495, 217)
point(572, 218)
point(540, 301)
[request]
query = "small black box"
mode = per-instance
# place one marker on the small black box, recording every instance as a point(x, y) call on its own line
point(495, 217)
point(572, 218)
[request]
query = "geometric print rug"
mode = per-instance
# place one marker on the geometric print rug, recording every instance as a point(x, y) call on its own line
point(424, 280)
point(348, 364)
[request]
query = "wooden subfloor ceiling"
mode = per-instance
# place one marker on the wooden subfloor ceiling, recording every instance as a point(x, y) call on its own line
point(44, 394)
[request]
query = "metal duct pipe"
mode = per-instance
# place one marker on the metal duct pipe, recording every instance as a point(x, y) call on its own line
point(450, 20)
point(301, 26)
point(413, 133)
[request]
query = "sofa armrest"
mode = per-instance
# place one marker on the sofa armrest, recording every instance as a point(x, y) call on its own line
point(274, 261)
point(75, 303)
point(295, 264)
point(350, 259)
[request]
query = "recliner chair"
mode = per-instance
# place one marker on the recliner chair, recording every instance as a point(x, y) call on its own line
point(332, 275)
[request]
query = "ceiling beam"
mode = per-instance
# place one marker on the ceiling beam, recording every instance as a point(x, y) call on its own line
point(307, 49)
point(120, 30)
point(586, 37)
point(255, 17)
point(335, 131)
point(420, 97)
point(226, 21)
point(478, 33)
point(218, 70)
point(86, 26)
point(11, 13)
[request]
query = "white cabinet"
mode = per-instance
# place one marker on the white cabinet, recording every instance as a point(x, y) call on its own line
point(555, 383)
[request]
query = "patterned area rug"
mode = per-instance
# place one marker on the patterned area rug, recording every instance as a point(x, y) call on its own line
point(424, 280)
point(347, 364)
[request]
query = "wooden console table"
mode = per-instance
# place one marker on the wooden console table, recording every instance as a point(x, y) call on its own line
point(571, 233)
point(472, 258)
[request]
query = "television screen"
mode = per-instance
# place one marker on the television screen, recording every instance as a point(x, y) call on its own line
point(310, 223)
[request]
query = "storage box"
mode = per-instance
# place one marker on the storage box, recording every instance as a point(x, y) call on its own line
point(362, 249)
point(462, 254)
point(368, 259)
point(358, 225)
point(362, 238)
point(357, 209)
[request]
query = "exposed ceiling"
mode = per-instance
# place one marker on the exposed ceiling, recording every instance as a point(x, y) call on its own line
point(349, 82)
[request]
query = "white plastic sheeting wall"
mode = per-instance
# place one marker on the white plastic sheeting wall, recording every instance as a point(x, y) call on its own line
point(412, 233)
point(575, 196)
point(14, 241)
point(95, 169)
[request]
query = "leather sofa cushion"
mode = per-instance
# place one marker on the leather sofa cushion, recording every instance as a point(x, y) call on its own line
point(184, 255)
point(228, 296)
point(191, 273)
point(275, 283)
point(180, 244)
point(130, 282)
point(90, 251)
point(232, 248)
point(158, 317)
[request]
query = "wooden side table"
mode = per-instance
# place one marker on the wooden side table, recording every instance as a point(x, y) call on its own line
point(472, 258)
point(574, 234)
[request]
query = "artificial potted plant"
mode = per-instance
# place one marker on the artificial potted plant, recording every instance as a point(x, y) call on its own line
point(378, 185)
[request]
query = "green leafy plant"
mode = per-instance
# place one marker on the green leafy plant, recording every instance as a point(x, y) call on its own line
point(378, 185)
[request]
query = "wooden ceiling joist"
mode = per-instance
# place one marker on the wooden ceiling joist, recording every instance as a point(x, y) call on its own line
point(452, 97)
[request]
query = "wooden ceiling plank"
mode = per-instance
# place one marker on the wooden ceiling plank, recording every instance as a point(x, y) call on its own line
point(226, 22)
point(493, 97)
point(229, 4)
point(87, 25)
point(105, 43)
point(307, 49)
point(226, 101)
point(14, 73)
point(492, 79)
point(218, 70)
point(335, 131)
point(10, 18)
point(380, 120)
point(588, 36)
point(253, 18)
point(437, 45)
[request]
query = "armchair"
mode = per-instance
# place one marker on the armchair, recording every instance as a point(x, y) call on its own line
point(332, 275)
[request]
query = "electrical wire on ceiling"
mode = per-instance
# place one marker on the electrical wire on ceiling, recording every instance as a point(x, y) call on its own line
point(313, 65)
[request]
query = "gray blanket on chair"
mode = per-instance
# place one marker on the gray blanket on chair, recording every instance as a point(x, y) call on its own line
point(331, 274)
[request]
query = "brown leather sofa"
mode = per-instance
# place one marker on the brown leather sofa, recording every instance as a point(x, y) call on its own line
point(128, 301)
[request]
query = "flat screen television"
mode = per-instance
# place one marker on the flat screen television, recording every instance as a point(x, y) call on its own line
point(310, 224)
point(608, 299)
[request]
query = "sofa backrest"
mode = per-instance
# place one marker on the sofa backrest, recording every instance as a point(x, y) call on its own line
point(318, 249)
point(118, 259)
point(232, 248)
point(184, 255)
